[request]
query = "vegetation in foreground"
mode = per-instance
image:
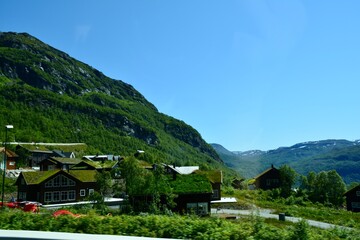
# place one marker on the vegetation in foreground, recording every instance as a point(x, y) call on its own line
point(295, 206)
point(169, 226)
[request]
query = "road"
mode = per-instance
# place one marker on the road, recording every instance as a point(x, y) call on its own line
point(266, 213)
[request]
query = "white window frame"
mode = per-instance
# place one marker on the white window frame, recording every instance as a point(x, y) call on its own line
point(48, 197)
point(49, 184)
point(56, 199)
point(215, 193)
point(91, 191)
point(71, 182)
point(82, 192)
point(64, 196)
point(64, 181)
point(200, 208)
point(355, 204)
point(56, 181)
point(22, 195)
point(71, 195)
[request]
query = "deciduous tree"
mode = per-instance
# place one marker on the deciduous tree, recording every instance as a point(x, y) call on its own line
point(287, 180)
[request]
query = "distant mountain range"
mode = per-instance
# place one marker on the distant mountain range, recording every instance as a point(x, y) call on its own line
point(341, 155)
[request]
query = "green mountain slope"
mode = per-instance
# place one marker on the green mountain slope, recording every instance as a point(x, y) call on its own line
point(341, 155)
point(50, 97)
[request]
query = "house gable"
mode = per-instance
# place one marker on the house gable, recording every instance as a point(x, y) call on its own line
point(190, 184)
point(58, 163)
point(11, 159)
point(216, 178)
point(98, 165)
point(353, 199)
point(56, 186)
point(269, 179)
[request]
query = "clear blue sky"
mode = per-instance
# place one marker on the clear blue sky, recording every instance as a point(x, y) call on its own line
point(246, 74)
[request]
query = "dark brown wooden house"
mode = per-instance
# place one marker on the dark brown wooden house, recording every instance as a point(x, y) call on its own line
point(193, 195)
point(56, 186)
point(106, 165)
point(53, 163)
point(215, 177)
point(353, 199)
point(269, 179)
point(34, 154)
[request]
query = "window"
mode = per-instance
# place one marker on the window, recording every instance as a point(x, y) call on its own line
point(64, 181)
point(48, 184)
point(215, 193)
point(56, 181)
point(270, 181)
point(82, 192)
point(71, 195)
point(64, 196)
point(22, 195)
point(355, 204)
point(60, 181)
point(59, 196)
point(71, 182)
point(358, 193)
point(12, 163)
point(56, 196)
point(91, 191)
point(48, 197)
point(191, 207)
point(200, 208)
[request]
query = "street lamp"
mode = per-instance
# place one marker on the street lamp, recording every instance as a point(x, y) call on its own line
point(4, 164)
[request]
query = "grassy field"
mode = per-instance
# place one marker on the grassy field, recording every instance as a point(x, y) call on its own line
point(295, 207)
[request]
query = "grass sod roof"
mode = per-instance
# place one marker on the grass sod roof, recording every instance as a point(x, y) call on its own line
point(100, 164)
point(34, 178)
point(215, 176)
point(84, 175)
point(66, 160)
point(76, 147)
point(9, 153)
point(193, 183)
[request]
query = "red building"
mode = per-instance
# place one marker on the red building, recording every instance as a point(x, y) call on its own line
point(11, 159)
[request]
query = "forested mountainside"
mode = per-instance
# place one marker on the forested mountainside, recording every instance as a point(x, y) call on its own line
point(340, 155)
point(51, 97)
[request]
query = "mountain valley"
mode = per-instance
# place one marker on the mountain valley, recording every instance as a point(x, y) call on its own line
point(324, 155)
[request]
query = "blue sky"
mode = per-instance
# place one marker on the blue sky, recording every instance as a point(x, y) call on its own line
point(246, 74)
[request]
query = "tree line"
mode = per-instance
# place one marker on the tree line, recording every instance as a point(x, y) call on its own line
point(326, 187)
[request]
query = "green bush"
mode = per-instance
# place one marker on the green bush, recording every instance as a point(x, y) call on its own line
point(175, 226)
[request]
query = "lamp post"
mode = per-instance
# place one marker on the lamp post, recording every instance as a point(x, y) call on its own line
point(4, 164)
